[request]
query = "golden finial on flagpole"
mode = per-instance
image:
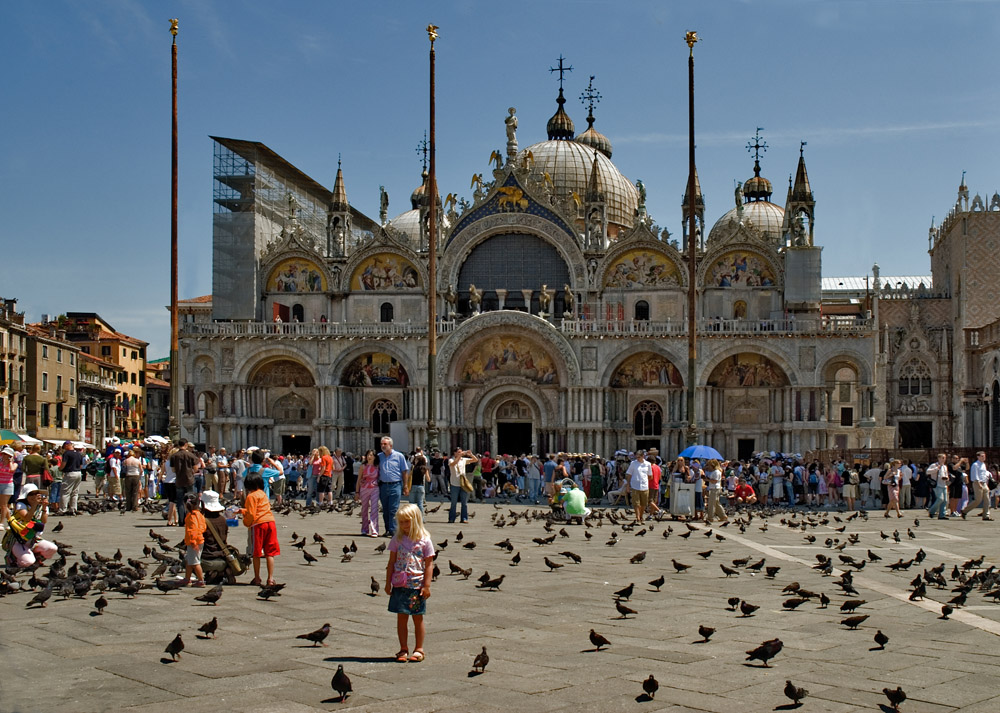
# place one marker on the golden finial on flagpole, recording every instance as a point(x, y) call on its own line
point(173, 27)
point(432, 32)
point(691, 37)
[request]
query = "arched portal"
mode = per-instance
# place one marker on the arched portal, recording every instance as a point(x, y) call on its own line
point(514, 421)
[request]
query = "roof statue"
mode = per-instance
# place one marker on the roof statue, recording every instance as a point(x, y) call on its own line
point(383, 202)
point(738, 196)
point(511, 123)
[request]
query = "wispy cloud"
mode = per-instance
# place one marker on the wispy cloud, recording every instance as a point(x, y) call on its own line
point(813, 134)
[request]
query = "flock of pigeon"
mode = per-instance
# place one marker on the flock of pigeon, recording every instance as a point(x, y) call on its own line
point(162, 562)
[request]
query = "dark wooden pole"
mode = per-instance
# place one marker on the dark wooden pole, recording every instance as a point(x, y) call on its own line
point(431, 197)
point(692, 428)
point(174, 426)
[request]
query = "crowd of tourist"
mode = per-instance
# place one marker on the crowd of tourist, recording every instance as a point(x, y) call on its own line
point(131, 474)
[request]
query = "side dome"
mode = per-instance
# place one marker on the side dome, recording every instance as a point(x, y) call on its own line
point(408, 224)
point(766, 217)
point(569, 164)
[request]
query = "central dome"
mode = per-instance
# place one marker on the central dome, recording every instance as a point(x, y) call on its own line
point(569, 164)
point(765, 216)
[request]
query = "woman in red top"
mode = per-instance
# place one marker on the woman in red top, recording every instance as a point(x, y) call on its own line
point(324, 483)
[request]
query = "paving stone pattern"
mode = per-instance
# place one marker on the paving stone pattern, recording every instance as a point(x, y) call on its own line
point(535, 628)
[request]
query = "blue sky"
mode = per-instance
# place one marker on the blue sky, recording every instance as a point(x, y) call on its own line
point(895, 99)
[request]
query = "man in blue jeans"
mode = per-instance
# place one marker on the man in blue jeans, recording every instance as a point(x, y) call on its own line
point(392, 469)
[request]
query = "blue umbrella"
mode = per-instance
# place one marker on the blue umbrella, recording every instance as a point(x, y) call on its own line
point(701, 452)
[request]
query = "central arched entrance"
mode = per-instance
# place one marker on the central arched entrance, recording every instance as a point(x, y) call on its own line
point(514, 423)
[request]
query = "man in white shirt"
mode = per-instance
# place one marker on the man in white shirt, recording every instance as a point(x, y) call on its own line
point(456, 469)
point(777, 482)
point(905, 487)
point(638, 474)
point(871, 486)
point(979, 477)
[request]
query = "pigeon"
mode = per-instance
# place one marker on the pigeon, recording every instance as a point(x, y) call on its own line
point(637, 558)
point(100, 604)
point(479, 663)
point(209, 628)
point(310, 559)
point(626, 592)
point(747, 608)
point(658, 582)
point(270, 590)
point(795, 694)
point(354, 547)
point(771, 572)
point(679, 566)
point(317, 538)
point(374, 587)
point(733, 602)
point(794, 603)
point(705, 632)
point(341, 683)
point(175, 647)
point(573, 556)
point(766, 651)
point(59, 527)
point(881, 639)
point(895, 697)
point(824, 600)
point(316, 636)
point(212, 596)
point(169, 585)
point(598, 640)
point(650, 686)
point(793, 587)
point(42, 597)
point(515, 560)
point(552, 565)
point(323, 551)
point(493, 583)
point(624, 610)
point(852, 622)
point(471, 545)
point(851, 604)
point(729, 571)
point(458, 537)
point(946, 611)
point(706, 554)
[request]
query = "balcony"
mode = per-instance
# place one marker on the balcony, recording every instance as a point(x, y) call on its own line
point(62, 394)
point(827, 325)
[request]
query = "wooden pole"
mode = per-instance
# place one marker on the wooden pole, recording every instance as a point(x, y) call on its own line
point(174, 426)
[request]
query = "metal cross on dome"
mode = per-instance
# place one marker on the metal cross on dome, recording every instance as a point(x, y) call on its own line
point(422, 149)
point(561, 69)
point(758, 145)
point(590, 96)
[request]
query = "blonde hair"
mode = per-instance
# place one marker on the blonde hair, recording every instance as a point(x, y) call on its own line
point(713, 464)
point(410, 513)
point(324, 451)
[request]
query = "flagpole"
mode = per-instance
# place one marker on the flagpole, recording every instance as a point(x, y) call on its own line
point(174, 427)
point(431, 196)
point(692, 428)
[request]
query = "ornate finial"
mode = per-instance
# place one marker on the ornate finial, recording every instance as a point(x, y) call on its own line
point(590, 97)
point(757, 145)
point(562, 70)
point(422, 149)
point(432, 34)
point(173, 28)
point(802, 145)
point(338, 160)
point(691, 37)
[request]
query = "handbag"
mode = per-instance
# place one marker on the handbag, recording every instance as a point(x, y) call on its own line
point(46, 477)
point(234, 562)
point(464, 483)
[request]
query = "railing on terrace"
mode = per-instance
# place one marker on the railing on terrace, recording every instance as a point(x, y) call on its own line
point(763, 327)
point(90, 379)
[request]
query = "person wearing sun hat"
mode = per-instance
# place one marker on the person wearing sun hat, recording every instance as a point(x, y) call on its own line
point(6, 481)
point(23, 540)
point(215, 522)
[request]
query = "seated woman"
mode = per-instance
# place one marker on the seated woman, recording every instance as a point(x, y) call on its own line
point(23, 541)
point(213, 554)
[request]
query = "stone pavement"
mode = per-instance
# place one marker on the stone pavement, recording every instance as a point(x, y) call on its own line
point(535, 628)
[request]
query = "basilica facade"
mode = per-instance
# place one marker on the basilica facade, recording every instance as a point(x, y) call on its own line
point(562, 317)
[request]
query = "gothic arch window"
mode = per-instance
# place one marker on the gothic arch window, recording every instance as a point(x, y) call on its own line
point(914, 379)
point(641, 310)
point(384, 412)
point(298, 314)
point(648, 419)
point(385, 312)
